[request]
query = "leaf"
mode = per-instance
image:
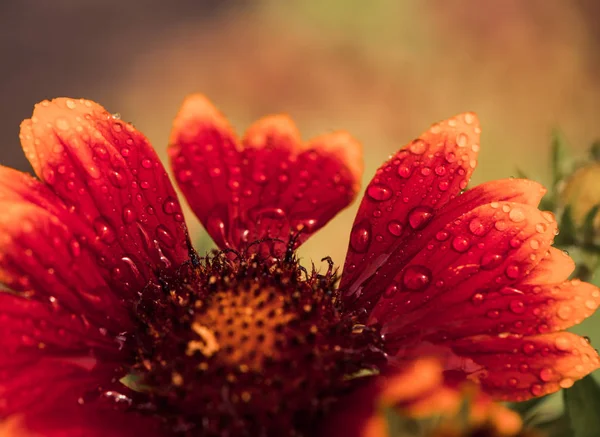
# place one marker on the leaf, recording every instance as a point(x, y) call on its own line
point(582, 407)
point(557, 427)
point(595, 150)
point(528, 408)
point(399, 425)
point(568, 229)
point(521, 174)
point(588, 228)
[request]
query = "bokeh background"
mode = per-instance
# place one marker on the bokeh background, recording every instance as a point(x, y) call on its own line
point(382, 69)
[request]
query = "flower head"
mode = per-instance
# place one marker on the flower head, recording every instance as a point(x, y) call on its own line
point(102, 282)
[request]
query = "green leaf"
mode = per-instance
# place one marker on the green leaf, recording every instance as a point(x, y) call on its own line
point(521, 174)
point(582, 407)
point(587, 229)
point(595, 151)
point(399, 425)
point(568, 229)
point(528, 408)
point(556, 427)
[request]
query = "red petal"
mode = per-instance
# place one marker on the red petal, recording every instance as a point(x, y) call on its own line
point(270, 186)
point(46, 352)
point(365, 283)
point(517, 369)
point(486, 249)
point(107, 173)
point(84, 421)
point(409, 193)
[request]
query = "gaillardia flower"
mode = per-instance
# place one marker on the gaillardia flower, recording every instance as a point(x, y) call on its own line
point(101, 281)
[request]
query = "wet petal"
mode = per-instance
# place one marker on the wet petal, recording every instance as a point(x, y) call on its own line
point(82, 421)
point(107, 173)
point(270, 186)
point(518, 368)
point(486, 249)
point(47, 353)
point(412, 196)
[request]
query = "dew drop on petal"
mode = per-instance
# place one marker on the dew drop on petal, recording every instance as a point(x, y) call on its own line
point(513, 382)
point(537, 389)
point(416, 277)
point(442, 236)
point(477, 299)
point(562, 343)
point(128, 214)
point(476, 227)
point(75, 248)
point(516, 215)
point(461, 140)
point(566, 383)
point(418, 147)
point(529, 348)
point(419, 217)
point(395, 228)
point(379, 192)
point(104, 231)
point(360, 238)
point(517, 306)
point(170, 206)
point(165, 236)
point(512, 271)
point(460, 244)
point(546, 374)
point(404, 171)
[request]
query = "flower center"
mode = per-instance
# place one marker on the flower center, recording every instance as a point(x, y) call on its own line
point(249, 347)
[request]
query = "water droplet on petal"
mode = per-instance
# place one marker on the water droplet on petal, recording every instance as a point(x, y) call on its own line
point(404, 171)
point(516, 215)
point(75, 248)
point(442, 236)
point(170, 206)
point(546, 374)
point(562, 343)
point(379, 192)
point(564, 312)
point(360, 238)
point(537, 390)
point(477, 299)
point(476, 227)
point(566, 383)
point(461, 140)
point(128, 214)
point(165, 236)
point(416, 277)
point(104, 231)
point(117, 179)
point(460, 244)
point(418, 147)
point(419, 217)
point(517, 306)
point(529, 348)
point(512, 271)
point(395, 228)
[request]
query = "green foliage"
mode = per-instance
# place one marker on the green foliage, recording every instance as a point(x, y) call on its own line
point(582, 408)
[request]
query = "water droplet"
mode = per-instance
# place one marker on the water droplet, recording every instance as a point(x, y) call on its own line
point(379, 192)
point(442, 236)
point(170, 206)
point(477, 299)
point(493, 314)
point(419, 217)
point(517, 306)
point(562, 343)
point(425, 171)
point(418, 146)
point(259, 177)
point(165, 236)
point(476, 227)
point(75, 248)
point(390, 291)
point(534, 244)
point(440, 170)
point(566, 383)
point(444, 185)
point(104, 231)
point(529, 348)
point(128, 214)
point(513, 382)
point(537, 390)
point(546, 374)
point(395, 228)
point(512, 271)
point(564, 312)
point(416, 277)
point(117, 179)
point(404, 171)
point(516, 215)
point(460, 244)
point(591, 304)
point(461, 140)
point(360, 238)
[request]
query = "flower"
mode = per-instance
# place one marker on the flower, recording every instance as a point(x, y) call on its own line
point(419, 391)
point(112, 324)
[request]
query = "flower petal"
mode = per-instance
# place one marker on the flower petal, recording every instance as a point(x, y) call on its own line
point(82, 421)
point(489, 248)
point(270, 186)
point(518, 368)
point(414, 193)
point(47, 352)
point(108, 174)
point(367, 289)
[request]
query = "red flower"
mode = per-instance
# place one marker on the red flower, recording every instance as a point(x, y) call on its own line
point(102, 281)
